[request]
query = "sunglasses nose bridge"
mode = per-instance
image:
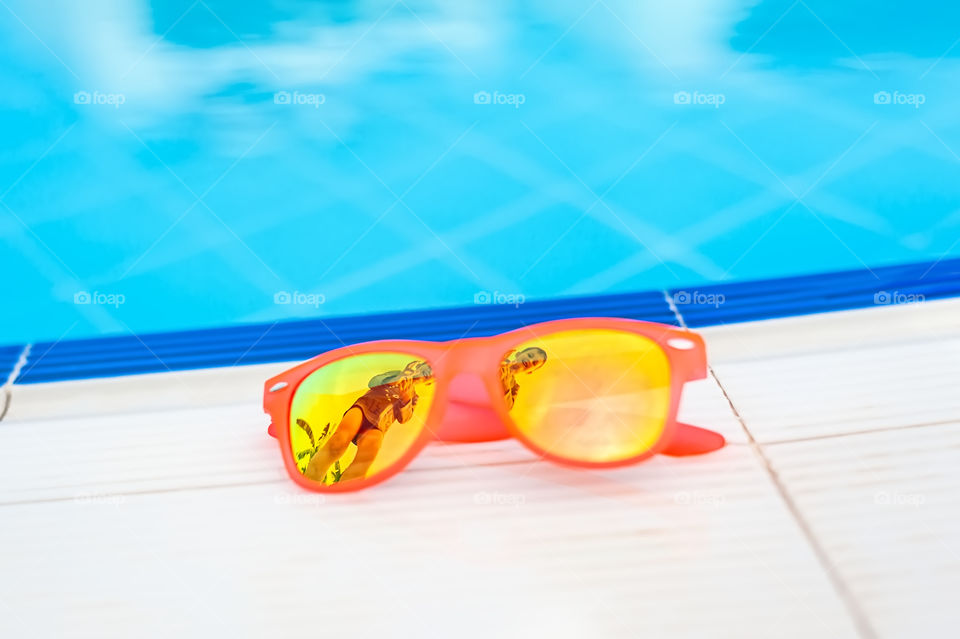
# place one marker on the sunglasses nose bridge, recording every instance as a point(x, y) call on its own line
point(469, 417)
point(468, 355)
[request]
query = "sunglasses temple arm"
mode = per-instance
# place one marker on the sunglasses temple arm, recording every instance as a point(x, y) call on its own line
point(693, 440)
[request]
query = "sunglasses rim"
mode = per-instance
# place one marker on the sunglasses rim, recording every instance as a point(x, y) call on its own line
point(685, 364)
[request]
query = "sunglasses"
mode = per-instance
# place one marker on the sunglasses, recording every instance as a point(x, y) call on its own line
point(588, 392)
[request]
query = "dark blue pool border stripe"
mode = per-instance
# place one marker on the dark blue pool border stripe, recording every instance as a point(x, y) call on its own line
point(9, 356)
point(302, 339)
point(820, 293)
point(699, 306)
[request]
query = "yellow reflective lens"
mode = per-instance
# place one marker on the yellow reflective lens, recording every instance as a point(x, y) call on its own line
point(356, 417)
point(588, 395)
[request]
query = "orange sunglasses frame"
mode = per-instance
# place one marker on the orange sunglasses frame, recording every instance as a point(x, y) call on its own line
point(462, 411)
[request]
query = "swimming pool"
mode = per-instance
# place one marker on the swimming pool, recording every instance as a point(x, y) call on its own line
point(179, 164)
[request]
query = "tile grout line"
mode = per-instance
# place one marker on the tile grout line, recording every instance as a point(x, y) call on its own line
point(857, 614)
point(139, 493)
point(7, 385)
point(857, 433)
point(853, 606)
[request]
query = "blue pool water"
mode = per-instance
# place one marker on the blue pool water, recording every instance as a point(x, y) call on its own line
point(169, 165)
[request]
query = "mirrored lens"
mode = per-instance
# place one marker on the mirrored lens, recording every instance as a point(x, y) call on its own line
point(588, 395)
point(358, 416)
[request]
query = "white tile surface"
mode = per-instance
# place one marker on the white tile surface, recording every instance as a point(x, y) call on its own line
point(680, 547)
point(885, 506)
point(157, 506)
point(827, 393)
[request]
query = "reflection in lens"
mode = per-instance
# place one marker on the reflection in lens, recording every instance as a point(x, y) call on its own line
point(525, 360)
point(358, 416)
point(588, 395)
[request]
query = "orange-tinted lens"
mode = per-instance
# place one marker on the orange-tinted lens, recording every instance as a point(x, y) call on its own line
point(356, 417)
point(588, 395)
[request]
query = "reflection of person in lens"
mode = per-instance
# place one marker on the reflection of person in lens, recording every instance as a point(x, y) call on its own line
point(391, 398)
point(526, 361)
